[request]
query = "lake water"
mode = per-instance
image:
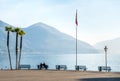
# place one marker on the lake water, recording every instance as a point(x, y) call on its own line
point(92, 61)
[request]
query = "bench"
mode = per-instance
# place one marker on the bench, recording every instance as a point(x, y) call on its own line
point(81, 67)
point(24, 66)
point(61, 67)
point(101, 68)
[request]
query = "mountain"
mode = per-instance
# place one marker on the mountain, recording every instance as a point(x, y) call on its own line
point(45, 39)
point(3, 37)
point(113, 46)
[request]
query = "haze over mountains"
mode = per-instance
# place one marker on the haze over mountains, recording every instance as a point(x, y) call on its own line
point(44, 39)
point(113, 46)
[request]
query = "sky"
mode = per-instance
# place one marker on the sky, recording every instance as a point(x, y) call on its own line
point(98, 20)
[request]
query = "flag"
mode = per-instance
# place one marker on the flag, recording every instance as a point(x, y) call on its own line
point(76, 21)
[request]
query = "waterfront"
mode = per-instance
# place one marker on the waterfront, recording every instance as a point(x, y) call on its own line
point(92, 61)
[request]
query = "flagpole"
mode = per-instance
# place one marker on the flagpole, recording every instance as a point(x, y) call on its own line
point(76, 46)
point(76, 22)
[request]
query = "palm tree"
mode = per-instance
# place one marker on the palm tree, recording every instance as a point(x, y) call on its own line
point(8, 29)
point(21, 33)
point(17, 30)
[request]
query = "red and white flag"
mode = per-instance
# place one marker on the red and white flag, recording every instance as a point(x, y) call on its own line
point(76, 21)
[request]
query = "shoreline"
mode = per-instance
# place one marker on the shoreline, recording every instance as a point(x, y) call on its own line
point(54, 75)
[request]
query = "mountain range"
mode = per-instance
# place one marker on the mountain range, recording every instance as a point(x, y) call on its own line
point(43, 38)
point(113, 46)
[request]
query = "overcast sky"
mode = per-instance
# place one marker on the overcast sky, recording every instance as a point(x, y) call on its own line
point(98, 20)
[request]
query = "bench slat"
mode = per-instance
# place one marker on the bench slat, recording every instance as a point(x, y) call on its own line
point(24, 66)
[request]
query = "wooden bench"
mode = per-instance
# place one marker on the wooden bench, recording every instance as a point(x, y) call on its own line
point(101, 68)
point(24, 66)
point(81, 67)
point(61, 67)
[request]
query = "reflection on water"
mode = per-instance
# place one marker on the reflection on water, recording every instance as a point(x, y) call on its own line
point(92, 61)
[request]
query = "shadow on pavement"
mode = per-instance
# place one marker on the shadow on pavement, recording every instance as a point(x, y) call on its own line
point(100, 79)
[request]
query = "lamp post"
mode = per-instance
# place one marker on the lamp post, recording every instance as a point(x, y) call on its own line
point(105, 49)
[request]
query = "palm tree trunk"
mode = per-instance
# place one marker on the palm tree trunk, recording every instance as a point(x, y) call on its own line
point(20, 50)
point(9, 58)
point(9, 50)
point(16, 51)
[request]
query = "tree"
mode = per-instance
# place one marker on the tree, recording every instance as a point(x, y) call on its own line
point(17, 30)
point(8, 29)
point(21, 33)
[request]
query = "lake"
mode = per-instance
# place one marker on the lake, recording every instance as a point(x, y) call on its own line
point(92, 61)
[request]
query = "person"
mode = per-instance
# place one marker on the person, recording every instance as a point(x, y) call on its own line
point(58, 67)
point(41, 65)
point(38, 66)
point(45, 66)
point(100, 68)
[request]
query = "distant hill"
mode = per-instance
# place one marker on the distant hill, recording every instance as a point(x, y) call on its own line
point(45, 39)
point(3, 36)
point(113, 46)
